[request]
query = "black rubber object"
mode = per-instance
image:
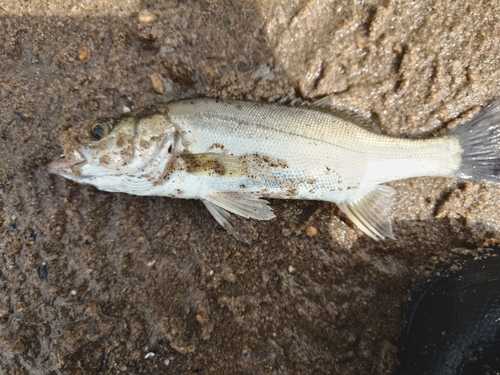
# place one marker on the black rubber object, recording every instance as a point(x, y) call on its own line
point(453, 323)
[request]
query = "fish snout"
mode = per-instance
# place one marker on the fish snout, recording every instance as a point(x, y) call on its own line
point(68, 165)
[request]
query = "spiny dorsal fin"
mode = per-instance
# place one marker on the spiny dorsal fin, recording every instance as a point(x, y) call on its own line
point(372, 212)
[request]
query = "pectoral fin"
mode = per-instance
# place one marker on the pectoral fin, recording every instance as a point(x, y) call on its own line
point(216, 165)
point(371, 213)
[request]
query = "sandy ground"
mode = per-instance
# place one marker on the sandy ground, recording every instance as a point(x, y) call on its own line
point(109, 283)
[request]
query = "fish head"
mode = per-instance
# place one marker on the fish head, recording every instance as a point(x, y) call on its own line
point(126, 154)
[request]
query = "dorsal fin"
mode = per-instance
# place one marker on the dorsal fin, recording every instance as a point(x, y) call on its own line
point(324, 104)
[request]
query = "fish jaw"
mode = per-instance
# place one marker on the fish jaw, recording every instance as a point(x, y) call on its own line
point(138, 176)
point(70, 165)
point(100, 177)
point(76, 165)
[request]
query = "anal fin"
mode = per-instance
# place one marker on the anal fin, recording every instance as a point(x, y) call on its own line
point(372, 212)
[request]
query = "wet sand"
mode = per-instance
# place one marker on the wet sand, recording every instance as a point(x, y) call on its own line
point(109, 283)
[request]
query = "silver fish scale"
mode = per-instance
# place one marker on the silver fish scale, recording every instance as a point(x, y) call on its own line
point(327, 157)
point(246, 129)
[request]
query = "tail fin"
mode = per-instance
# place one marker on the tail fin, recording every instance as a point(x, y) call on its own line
point(480, 141)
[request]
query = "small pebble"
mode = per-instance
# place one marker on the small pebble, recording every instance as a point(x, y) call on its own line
point(4, 311)
point(311, 231)
point(73, 292)
point(83, 53)
point(230, 277)
point(201, 319)
point(19, 306)
point(291, 269)
point(43, 272)
point(125, 109)
point(157, 82)
point(149, 355)
point(145, 16)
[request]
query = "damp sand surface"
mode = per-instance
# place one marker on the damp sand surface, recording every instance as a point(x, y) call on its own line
point(109, 283)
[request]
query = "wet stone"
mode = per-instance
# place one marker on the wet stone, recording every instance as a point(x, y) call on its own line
point(43, 272)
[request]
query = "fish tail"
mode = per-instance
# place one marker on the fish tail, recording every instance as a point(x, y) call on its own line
point(480, 141)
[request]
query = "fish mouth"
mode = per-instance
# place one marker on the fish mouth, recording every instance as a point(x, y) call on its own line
point(70, 166)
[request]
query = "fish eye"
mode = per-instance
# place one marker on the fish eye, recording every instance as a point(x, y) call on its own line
point(101, 127)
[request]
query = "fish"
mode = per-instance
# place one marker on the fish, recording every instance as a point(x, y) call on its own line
point(235, 155)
